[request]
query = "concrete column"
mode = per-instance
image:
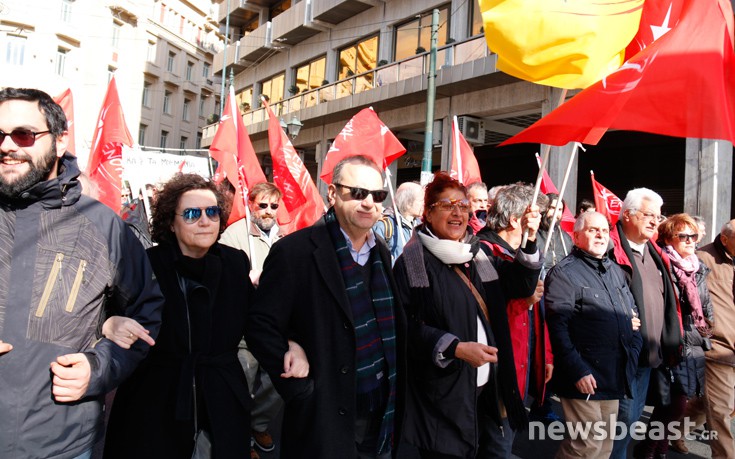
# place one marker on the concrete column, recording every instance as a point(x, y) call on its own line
point(707, 182)
point(559, 156)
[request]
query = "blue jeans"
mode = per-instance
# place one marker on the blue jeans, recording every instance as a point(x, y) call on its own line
point(630, 410)
point(85, 455)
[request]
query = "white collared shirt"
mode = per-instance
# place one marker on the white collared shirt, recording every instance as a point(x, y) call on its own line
point(361, 256)
point(640, 248)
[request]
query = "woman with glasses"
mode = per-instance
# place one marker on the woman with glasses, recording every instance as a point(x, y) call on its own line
point(191, 386)
point(677, 237)
point(452, 297)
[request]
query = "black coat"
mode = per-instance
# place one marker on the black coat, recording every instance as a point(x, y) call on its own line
point(442, 411)
point(302, 297)
point(589, 311)
point(152, 415)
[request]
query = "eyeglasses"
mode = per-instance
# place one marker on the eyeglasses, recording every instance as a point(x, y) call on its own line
point(264, 205)
point(362, 193)
point(651, 216)
point(193, 214)
point(21, 137)
point(683, 237)
point(447, 205)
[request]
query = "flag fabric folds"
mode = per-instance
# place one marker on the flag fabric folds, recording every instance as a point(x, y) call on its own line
point(363, 135)
point(66, 101)
point(681, 85)
point(563, 43)
point(105, 158)
point(301, 197)
point(547, 186)
point(464, 164)
point(606, 202)
point(238, 164)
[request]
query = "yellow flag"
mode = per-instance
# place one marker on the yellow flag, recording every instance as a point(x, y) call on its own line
point(562, 43)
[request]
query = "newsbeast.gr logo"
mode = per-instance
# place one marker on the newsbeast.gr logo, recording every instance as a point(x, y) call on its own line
point(602, 430)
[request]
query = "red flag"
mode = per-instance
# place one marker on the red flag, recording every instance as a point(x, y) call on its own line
point(682, 85)
point(66, 101)
point(105, 158)
point(181, 166)
point(547, 186)
point(364, 135)
point(464, 164)
point(231, 147)
point(606, 202)
point(301, 198)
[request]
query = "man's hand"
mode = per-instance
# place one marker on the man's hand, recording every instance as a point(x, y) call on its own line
point(255, 276)
point(125, 331)
point(549, 372)
point(476, 354)
point(586, 385)
point(537, 294)
point(71, 377)
point(5, 347)
point(295, 363)
point(530, 221)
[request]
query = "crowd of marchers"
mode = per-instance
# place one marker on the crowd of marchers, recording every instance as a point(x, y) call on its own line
point(440, 324)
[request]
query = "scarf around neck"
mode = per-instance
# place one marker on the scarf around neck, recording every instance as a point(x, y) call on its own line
point(685, 270)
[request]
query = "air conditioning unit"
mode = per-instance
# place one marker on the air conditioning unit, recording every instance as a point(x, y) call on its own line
point(473, 129)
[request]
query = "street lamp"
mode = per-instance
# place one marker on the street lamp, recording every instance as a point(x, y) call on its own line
point(292, 128)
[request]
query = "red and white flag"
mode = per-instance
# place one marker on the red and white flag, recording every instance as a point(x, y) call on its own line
point(231, 147)
point(547, 186)
point(606, 202)
point(681, 84)
point(363, 135)
point(301, 197)
point(66, 101)
point(105, 158)
point(464, 164)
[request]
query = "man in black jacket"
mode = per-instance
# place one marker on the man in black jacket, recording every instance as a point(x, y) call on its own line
point(330, 288)
point(66, 262)
point(590, 312)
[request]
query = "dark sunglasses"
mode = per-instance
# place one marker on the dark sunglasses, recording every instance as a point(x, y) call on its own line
point(193, 214)
point(683, 237)
point(264, 205)
point(21, 137)
point(362, 193)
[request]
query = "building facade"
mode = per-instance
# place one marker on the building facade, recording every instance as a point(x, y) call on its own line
point(321, 61)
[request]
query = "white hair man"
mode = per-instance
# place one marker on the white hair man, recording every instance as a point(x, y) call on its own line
point(410, 205)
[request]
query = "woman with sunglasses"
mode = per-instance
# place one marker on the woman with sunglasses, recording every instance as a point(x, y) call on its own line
point(191, 383)
point(457, 322)
point(677, 237)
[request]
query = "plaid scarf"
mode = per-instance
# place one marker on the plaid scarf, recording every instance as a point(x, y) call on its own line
point(375, 333)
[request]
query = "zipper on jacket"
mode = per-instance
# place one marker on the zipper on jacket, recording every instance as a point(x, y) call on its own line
point(49, 284)
point(75, 286)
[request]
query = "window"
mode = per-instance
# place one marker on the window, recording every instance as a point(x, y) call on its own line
point(279, 8)
point(476, 26)
point(199, 141)
point(141, 134)
point(273, 88)
point(205, 70)
point(201, 105)
point(311, 75)
point(15, 47)
point(151, 52)
point(415, 35)
point(185, 110)
point(146, 94)
point(189, 70)
point(170, 64)
point(182, 143)
point(164, 138)
point(167, 102)
point(116, 30)
point(358, 58)
point(245, 99)
point(60, 61)
point(65, 15)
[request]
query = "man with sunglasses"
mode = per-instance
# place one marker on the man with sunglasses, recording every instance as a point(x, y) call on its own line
point(330, 288)
point(263, 202)
point(647, 272)
point(67, 261)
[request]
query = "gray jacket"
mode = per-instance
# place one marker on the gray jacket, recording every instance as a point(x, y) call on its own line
point(67, 262)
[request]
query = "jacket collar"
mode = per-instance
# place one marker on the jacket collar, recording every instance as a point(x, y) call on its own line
point(599, 264)
point(64, 190)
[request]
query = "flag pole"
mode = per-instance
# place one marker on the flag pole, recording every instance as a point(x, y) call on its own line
point(559, 204)
point(399, 224)
point(544, 162)
point(244, 189)
point(456, 149)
